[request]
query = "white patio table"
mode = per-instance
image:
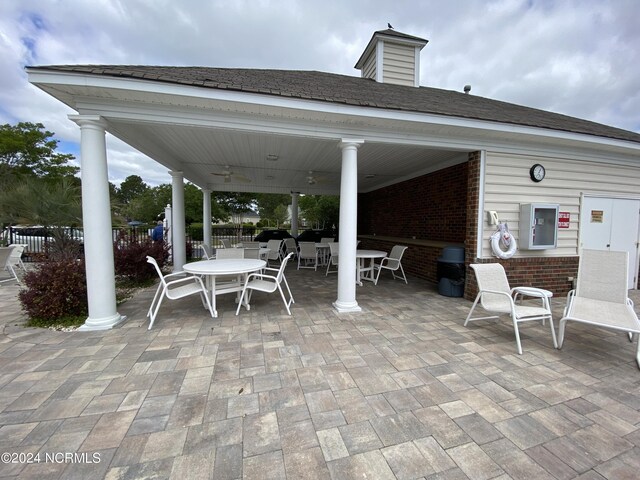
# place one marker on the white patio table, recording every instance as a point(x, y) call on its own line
point(364, 271)
point(228, 266)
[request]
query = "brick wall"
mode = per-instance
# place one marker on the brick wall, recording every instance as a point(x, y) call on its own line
point(430, 207)
point(548, 273)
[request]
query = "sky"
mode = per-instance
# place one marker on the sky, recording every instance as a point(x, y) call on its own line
point(576, 57)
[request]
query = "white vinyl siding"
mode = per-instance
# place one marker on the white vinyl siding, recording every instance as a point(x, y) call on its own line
point(507, 185)
point(399, 64)
point(369, 67)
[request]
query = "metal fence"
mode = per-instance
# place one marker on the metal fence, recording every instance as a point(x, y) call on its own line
point(37, 238)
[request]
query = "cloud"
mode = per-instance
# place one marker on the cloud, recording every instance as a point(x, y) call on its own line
point(577, 57)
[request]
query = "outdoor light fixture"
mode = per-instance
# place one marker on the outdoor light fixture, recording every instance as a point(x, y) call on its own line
point(272, 158)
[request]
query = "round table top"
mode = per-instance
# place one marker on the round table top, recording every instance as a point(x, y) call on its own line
point(225, 266)
point(370, 254)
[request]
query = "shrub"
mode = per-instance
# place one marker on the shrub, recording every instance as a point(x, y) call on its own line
point(130, 257)
point(55, 289)
point(196, 231)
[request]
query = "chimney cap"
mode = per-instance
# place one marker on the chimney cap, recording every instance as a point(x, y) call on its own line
point(467, 88)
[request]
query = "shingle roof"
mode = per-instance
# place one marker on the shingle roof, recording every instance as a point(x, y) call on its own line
point(357, 91)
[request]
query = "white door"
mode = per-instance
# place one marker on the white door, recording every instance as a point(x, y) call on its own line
point(612, 224)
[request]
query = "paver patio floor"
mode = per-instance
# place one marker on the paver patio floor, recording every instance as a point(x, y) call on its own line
point(399, 391)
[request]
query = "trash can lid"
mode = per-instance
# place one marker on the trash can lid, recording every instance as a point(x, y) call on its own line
point(452, 255)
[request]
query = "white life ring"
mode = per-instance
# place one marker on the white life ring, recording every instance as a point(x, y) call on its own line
point(497, 242)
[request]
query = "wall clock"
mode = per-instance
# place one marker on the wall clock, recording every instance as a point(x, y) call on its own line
point(537, 172)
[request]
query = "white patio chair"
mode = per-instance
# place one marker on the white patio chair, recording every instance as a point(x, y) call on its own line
point(7, 264)
point(393, 263)
point(333, 257)
point(495, 296)
point(308, 255)
point(207, 254)
point(327, 240)
point(16, 256)
point(264, 282)
point(275, 253)
point(174, 289)
point(223, 253)
point(601, 295)
point(290, 245)
point(250, 245)
point(226, 243)
point(252, 253)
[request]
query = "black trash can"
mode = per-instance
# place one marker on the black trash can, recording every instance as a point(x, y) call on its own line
point(451, 272)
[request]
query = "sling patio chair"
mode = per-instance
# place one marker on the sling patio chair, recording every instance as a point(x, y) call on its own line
point(16, 256)
point(275, 250)
point(308, 255)
point(333, 257)
point(268, 283)
point(495, 296)
point(182, 286)
point(392, 262)
point(601, 295)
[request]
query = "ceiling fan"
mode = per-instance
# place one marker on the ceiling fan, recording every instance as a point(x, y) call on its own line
point(312, 178)
point(229, 175)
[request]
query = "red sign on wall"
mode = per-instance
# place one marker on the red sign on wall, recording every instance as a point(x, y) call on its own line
point(564, 218)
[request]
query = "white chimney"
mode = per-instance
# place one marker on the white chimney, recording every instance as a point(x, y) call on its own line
point(392, 57)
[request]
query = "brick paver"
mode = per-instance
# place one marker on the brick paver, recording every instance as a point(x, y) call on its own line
point(399, 391)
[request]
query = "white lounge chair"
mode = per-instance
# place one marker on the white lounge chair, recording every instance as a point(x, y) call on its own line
point(16, 256)
point(601, 295)
point(393, 263)
point(226, 243)
point(495, 296)
point(268, 284)
point(6, 263)
point(175, 289)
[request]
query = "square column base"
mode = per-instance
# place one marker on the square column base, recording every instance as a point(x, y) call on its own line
point(346, 307)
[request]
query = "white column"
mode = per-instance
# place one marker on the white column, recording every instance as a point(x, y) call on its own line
point(96, 219)
point(348, 230)
point(206, 216)
point(294, 213)
point(177, 221)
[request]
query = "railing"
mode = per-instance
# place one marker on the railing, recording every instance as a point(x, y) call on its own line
point(37, 238)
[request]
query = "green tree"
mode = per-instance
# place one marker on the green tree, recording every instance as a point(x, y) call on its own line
point(321, 211)
point(268, 203)
point(28, 149)
point(55, 205)
point(280, 215)
point(132, 187)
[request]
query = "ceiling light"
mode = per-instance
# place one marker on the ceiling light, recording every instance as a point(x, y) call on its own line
point(272, 158)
